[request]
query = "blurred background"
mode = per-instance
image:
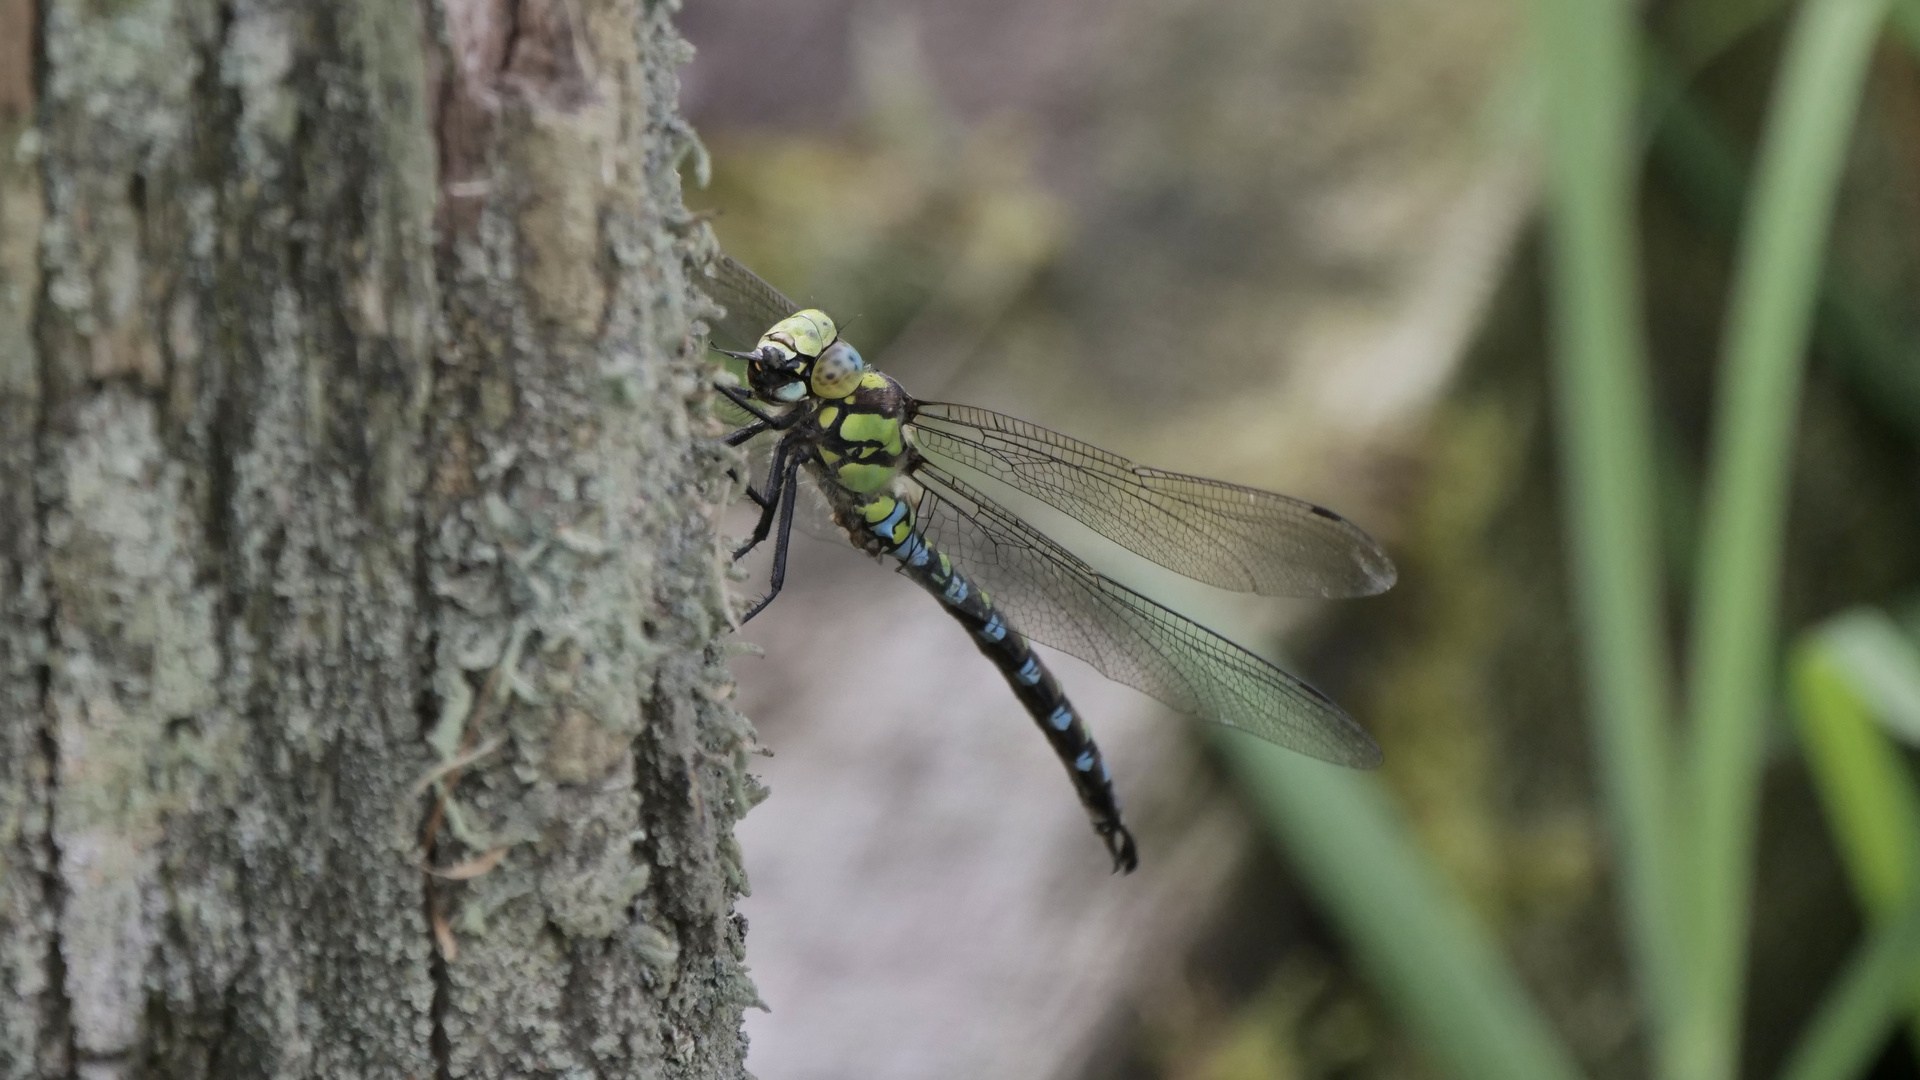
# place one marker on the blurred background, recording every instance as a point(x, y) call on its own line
point(1305, 246)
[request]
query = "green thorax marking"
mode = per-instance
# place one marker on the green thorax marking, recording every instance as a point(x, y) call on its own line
point(860, 441)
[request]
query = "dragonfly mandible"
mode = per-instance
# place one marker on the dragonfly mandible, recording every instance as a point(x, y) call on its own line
point(901, 476)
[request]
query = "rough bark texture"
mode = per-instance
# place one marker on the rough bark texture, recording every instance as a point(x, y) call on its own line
point(347, 393)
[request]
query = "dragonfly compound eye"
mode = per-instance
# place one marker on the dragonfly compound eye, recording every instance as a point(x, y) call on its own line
point(837, 372)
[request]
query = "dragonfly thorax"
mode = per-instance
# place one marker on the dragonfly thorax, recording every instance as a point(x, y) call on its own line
point(859, 438)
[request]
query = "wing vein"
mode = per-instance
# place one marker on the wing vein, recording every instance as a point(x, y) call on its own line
point(1055, 598)
point(1228, 535)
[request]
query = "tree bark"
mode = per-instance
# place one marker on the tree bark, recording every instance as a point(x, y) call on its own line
point(352, 524)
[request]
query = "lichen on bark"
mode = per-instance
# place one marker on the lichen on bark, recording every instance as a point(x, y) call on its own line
point(350, 417)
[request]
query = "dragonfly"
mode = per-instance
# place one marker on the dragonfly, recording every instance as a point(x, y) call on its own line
point(904, 480)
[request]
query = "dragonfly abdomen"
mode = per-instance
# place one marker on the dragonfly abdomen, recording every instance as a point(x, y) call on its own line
point(890, 521)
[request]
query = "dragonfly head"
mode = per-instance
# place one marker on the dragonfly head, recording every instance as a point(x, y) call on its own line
point(775, 372)
point(802, 352)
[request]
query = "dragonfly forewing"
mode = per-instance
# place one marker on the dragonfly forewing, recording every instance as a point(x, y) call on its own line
point(1235, 537)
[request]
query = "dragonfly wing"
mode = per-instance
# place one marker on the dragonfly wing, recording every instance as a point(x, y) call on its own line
point(752, 306)
point(1057, 599)
point(1235, 537)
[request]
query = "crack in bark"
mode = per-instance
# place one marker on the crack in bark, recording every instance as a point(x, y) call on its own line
point(439, 1044)
point(57, 1008)
point(510, 17)
point(53, 889)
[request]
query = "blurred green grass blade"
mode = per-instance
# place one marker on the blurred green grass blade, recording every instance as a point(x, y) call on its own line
point(1421, 944)
point(1734, 627)
point(1882, 665)
point(1872, 806)
point(1840, 1042)
point(1864, 787)
point(1586, 50)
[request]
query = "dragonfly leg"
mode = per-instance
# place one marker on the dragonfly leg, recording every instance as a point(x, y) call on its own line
point(747, 405)
point(739, 436)
point(778, 478)
point(764, 502)
point(791, 491)
point(766, 419)
point(1126, 857)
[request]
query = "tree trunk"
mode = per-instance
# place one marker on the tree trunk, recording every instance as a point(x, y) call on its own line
point(351, 525)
